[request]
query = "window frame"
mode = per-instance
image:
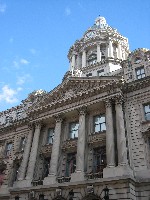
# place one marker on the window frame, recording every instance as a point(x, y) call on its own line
point(146, 113)
point(71, 131)
point(140, 75)
point(50, 138)
point(100, 124)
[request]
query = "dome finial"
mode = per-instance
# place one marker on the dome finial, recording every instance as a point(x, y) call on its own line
point(101, 22)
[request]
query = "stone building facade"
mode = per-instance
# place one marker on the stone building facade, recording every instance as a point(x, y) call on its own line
point(89, 134)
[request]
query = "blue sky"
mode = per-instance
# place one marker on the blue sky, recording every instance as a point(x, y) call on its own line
point(35, 36)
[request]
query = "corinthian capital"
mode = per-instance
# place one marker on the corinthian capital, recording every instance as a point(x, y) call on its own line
point(108, 103)
point(119, 99)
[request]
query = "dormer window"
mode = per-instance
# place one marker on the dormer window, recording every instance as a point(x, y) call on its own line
point(140, 72)
point(50, 136)
point(73, 130)
point(92, 59)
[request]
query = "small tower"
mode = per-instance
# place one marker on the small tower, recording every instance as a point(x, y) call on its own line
point(99, 52)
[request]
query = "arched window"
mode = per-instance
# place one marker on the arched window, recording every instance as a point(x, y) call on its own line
point(92, 59)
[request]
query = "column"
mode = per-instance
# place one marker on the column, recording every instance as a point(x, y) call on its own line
point(98, 53)
point(81, 142)
point(121, 139)
point(84, 58)
point(73, 61)
point(33, 153)
point(110, 49)
point(119, 52)
point(24, 163)
point(110, 145)
point(55, 148)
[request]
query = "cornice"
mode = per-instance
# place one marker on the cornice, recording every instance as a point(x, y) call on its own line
point(136, 85)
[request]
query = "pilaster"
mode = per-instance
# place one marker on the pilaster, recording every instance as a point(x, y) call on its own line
point(83, 58)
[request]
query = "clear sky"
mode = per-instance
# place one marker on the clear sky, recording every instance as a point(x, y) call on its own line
point(35, 36)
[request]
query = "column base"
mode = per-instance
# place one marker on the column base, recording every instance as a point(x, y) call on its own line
point(77, 176)
point(50, 179)
point(22, 183)
point(120, 170)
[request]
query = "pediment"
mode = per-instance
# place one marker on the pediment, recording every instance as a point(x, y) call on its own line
point(74, 88)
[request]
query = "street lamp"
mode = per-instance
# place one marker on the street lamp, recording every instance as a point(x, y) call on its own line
point(106, 193)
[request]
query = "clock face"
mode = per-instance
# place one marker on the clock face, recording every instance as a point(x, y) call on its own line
point(90, 34)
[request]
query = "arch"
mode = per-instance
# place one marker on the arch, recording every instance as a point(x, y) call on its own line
point(91, 197)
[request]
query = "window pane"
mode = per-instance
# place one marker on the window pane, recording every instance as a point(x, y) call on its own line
point(103, 127)
point(142, 71)
point(147, 108)
point(102, 119)
point(147, 116)
point(97, 128)
point(138, 72)
point(97, 119)
point(74, 130)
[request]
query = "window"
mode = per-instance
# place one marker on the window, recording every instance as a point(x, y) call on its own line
point(89, 75)
point(147, 111)
point(99, 159)
point(22, 143)
point(73, 129)
point(140, 73)
point(17, 198)
point(99, 123)
point(71, 164)
point(100, 72)
point(46, 167)
point(92, 59)
point(41, 197)
point(50, 136)
point(8, 149)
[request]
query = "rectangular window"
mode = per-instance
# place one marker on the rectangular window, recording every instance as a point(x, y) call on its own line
point(73, 130)
point(22, 144)
point(140, 72)
point(70, 164)
point(8, 149)
point(99, 159)
point(100, 72)
point(50, 136)
point(147, 111)
point(99, 123)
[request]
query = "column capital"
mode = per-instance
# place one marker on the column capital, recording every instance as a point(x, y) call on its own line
point(82, 110)
point(108, 103)
point(30, 126)
point(58, 118)
point(38, 124)
point(119, 100)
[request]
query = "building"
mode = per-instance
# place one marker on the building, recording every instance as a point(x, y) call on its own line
point(88, 135)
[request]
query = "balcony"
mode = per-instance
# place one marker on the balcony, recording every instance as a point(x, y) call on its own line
point(94, 175)
point(37, 182)
point(63, 179)
point(46, 150)
point(95, 138)
point(70, 145)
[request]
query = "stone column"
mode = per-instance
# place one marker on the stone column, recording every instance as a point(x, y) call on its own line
point(121, 139)
point(24, 163)
point(119, 52)
point(33, 153)
point(110, 49)
point(51, 179)
point(73, 61)
point(80, 158)
point(55, 148)
point(84, 58)
point(98, 53)
point(110, 145)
